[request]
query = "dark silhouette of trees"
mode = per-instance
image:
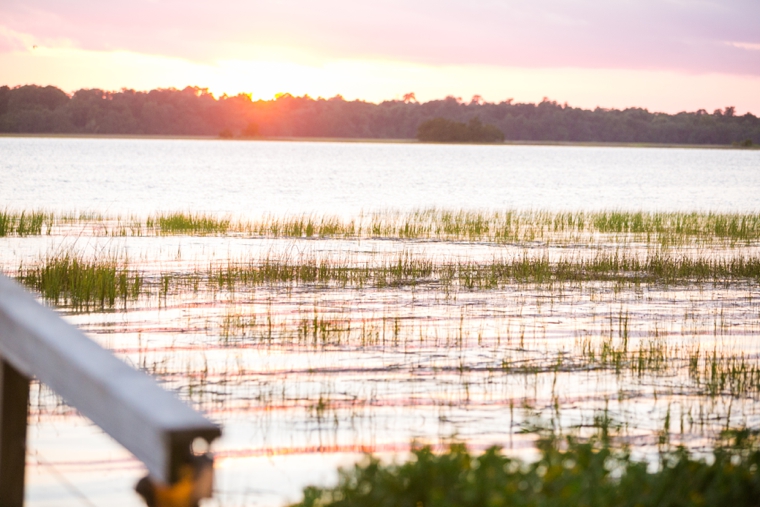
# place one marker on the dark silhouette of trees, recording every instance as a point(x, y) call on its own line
point(195, 111)
point(33, 109)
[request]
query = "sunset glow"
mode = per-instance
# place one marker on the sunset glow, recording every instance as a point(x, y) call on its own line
point(660, 55)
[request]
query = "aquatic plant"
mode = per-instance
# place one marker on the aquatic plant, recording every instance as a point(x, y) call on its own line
point(72, 278)
point(187, 223)
point(82, 283)
point(501, 227)
point(407, 269)
point(24, 223)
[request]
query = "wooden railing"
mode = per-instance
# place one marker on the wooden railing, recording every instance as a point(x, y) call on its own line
point(155, 426)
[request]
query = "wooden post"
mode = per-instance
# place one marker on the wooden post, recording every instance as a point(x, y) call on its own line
point(14, 402)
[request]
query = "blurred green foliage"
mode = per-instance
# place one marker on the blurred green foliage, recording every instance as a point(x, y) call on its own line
point(568, 473)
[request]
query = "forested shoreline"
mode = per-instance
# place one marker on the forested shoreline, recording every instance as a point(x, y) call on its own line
point(196, 112)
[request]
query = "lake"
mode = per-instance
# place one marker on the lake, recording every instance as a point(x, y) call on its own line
point(323, 300)
point(249, 177)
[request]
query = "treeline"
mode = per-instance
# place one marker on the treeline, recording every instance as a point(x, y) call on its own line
point(194, 111)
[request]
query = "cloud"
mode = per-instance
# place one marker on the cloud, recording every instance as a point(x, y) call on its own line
point(12, 41)
point(674, 35)
point(745, 45)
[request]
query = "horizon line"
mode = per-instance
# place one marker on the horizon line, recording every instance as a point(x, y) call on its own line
point(408, 98)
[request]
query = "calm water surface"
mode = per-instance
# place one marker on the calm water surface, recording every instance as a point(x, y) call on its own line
point(250, 178)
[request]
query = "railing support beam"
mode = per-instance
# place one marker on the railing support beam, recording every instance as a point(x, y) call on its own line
point(14, 403)
point(126, 403)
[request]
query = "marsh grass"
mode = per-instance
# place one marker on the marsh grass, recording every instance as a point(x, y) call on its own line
point(73, 280)
point(25, 223)
point(410, 270)
point(304, 226)
point(83, 284)
point(404, 269)
point(187, 223)
point(433, 224)
point(510, 226)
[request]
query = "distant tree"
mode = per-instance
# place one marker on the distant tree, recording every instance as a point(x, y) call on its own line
point(32, 97)
point(5, 94)
point(409, 97)
point(33, 108)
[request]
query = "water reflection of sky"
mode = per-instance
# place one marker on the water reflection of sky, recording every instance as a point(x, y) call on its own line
point(250, 178)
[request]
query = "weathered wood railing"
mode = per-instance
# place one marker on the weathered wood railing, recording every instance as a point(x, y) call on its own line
point(126, 403)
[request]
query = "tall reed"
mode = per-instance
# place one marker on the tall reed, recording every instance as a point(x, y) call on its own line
point(24, 223)
point(81, 283)
point(187, 223)
point(499, 226)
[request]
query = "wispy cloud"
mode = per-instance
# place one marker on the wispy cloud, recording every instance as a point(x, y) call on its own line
point(14, 41)
point(749, 46)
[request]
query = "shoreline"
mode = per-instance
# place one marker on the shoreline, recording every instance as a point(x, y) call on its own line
point(599, 144)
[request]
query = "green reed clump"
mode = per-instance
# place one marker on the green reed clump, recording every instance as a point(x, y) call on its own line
point(6, 224)
point(403, 270)
point(83, 284)
point(279, 271)
point(737, 226)
point(304, 226)
point(187, 223)
point(507, 226)
point(24, 223)
point(568, 472)
point(615, 267)
point(406, 270)
point(520, 226)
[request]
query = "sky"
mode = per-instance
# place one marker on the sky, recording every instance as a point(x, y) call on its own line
point(664, 55)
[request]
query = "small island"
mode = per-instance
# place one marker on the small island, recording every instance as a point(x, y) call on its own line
point(441, 130)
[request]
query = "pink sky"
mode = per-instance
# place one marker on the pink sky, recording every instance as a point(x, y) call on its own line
point(665, 55)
